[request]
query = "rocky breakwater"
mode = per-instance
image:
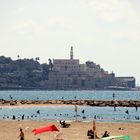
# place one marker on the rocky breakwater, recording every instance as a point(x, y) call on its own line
point(116, 103)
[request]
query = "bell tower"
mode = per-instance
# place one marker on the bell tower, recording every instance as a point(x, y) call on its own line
point(71, 53)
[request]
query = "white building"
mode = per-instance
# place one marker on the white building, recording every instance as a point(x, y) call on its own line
point(68, 65)
point(70, 74)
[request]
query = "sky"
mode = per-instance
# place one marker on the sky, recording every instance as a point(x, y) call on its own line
point(106, 32)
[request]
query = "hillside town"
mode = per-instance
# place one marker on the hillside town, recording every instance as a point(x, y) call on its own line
point(59, 74)
point(70, 74)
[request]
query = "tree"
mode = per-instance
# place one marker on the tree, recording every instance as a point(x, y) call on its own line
point(37, 58)
point(50, 64)
point(18, 56)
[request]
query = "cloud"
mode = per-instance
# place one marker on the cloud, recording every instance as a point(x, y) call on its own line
point(59, 22)
point(24, 25)
point(27, 27)
point(17, 11)
point(119, 20)
point(52, 23)
point(111, 10)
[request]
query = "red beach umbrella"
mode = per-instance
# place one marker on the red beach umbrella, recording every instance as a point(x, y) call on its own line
point(45, 129)
point(34, 130)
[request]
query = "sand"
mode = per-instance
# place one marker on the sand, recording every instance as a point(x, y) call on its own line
point(9, 130)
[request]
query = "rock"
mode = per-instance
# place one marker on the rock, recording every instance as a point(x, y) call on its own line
point(59, 102)
point(13, 103)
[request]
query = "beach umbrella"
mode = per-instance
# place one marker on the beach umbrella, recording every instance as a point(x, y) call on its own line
point(94, 125)
point(49, 128)
point(117, 138)
point(94, 128)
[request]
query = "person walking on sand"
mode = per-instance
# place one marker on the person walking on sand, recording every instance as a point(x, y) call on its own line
point(21, 135)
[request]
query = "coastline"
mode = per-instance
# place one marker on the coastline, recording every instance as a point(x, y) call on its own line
point(69, 89)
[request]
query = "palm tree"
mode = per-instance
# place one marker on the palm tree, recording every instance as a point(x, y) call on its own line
point(37, 58)
point(18, 56)
point(50, 64)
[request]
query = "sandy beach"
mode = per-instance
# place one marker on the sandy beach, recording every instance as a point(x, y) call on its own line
point(9, 130)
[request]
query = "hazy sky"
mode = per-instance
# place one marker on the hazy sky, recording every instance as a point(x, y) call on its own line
point(104, 31)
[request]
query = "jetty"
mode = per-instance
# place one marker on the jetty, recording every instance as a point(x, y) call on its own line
point(100, 103)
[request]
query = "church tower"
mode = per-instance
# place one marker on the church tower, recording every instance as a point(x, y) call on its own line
point(71, 53)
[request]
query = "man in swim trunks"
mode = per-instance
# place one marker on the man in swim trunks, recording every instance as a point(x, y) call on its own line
point(21, 135)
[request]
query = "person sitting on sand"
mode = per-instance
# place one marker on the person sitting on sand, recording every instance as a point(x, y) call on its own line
point(92, 134)
point(21, 135)
point(106, 134)
point(64, 124)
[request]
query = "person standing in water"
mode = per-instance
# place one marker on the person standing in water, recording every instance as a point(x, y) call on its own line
point(113, 96)
point(114, 100)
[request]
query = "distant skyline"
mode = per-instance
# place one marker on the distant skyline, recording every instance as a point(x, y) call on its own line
point(104, 31)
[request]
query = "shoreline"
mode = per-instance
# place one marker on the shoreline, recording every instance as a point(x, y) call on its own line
point(69, 89)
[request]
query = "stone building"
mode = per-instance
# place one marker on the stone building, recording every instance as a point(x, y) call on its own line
point(70, 74)
point(128, 82)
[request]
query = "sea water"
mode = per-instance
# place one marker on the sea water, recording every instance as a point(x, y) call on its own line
point(69, 95)
point(105, 114)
